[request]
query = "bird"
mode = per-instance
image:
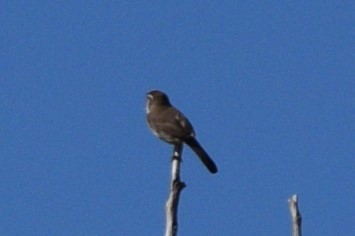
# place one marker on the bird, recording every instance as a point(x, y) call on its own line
point(170, 125)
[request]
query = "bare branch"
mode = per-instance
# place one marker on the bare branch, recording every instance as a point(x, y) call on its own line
point(295, 215)
point(176, 186)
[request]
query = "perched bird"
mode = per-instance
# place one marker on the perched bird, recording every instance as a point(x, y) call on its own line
point(170, 125)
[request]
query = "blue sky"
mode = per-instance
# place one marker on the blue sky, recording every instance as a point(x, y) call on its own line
point(268, 86)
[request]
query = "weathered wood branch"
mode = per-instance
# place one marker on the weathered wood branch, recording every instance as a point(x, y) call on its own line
point(295, 216)
point(176, 186)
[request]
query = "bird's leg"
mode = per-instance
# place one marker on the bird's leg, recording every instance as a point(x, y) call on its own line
point(177, 152)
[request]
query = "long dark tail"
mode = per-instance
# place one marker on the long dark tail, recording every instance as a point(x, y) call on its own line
point(202, 154)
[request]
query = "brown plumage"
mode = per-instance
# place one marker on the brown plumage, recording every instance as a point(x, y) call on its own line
point(171, 126)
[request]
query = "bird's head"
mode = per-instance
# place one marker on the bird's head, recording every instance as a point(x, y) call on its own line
point(156, 97)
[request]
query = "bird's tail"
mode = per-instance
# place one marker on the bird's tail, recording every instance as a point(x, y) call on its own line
point(202, 154)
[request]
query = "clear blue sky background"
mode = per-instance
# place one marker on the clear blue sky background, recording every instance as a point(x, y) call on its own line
point(269, 87)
